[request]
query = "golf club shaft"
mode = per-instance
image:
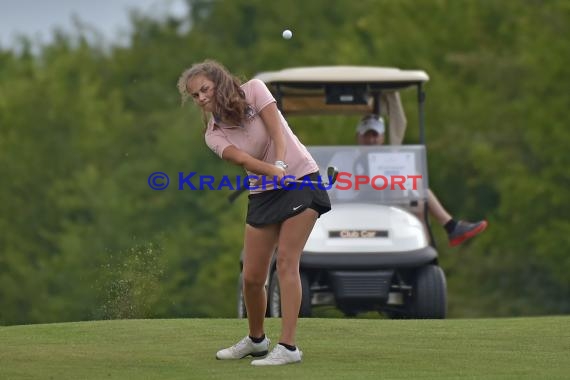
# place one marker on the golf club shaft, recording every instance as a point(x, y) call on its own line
point(313, 182)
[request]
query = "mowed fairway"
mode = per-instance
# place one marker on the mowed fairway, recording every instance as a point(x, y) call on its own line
point(517, 348)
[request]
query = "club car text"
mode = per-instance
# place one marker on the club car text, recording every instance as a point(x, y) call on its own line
point(358, 234)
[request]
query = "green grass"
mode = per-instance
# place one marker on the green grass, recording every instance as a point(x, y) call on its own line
point(516, 348)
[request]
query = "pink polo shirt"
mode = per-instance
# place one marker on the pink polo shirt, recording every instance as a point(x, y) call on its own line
point(253, 138)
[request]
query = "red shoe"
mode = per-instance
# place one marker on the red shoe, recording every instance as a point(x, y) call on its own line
point(465, 230)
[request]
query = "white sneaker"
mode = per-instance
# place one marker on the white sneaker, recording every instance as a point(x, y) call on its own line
point(279, 356)
point(244, 347)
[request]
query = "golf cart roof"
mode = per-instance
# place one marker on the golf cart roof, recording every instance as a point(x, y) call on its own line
point(336, 89)
point(343, 74)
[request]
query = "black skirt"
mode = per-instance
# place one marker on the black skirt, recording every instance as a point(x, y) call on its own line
point(274, 206)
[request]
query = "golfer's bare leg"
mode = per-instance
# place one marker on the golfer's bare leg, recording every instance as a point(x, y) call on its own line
point(259, 245)
point(294, 234)
point(437, 210)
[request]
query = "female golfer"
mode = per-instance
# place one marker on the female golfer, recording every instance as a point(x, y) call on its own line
point(245, 127)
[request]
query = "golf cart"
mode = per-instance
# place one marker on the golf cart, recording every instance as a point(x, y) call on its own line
point(374, 250)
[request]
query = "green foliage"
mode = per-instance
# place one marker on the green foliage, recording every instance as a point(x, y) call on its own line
point(82, 126)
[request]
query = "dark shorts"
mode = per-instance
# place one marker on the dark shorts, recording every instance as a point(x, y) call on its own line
point(274, 206)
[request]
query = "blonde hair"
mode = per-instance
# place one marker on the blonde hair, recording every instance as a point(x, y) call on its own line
point(230, 104)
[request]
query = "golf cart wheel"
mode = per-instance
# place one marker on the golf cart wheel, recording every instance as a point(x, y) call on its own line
point(430, 293)
point(241, 310)
point(274, 296)
point(306, 309)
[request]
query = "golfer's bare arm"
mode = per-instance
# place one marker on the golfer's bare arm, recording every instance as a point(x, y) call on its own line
point(251, 164)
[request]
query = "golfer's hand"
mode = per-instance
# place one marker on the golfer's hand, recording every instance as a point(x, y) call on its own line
point(278, 173)
point(275, 174)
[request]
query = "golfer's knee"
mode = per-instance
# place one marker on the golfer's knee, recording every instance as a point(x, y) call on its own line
point(286, 266)
point(253, 281)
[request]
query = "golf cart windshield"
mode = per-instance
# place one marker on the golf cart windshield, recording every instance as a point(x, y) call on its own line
point(390, 175)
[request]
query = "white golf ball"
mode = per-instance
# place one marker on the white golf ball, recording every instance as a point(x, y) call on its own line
point(287, 34)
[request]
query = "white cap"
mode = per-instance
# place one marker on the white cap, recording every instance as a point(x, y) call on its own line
point(371, 122)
